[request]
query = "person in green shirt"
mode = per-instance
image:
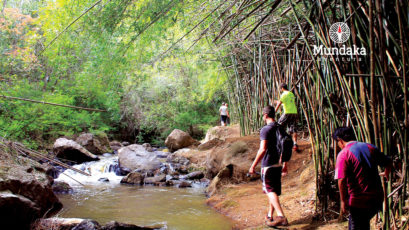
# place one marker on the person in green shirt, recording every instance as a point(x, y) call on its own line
point(289, 117)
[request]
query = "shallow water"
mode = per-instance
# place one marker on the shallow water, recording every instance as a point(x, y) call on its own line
point(175, 207)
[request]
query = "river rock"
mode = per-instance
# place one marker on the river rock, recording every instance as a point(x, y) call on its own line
point(136, 157)
point(60, 187)
point(173, 158)
point(25, 192)
point(178, 169)
point(148, 147)
point(155, 179)
point(57, 223)
point(17, 212)
point(85, 224)
point(113, 225)
point(183, 184)
point(125, 143)
point(122, 171)
point(183, 169)
point(115, 145)
point(71, 150)
point(53, 171)
point(194, 175)
point(92, 143)
point(103, 179)
point(178, 139)
point(133, 178)
point(103, 139)
point(160, 154)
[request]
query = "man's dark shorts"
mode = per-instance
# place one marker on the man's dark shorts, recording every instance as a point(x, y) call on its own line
point(271, 177)
point(223, 118)
point(289, 121)
point(360, 218)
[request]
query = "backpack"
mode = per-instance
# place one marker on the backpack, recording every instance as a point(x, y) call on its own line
point(284, 144)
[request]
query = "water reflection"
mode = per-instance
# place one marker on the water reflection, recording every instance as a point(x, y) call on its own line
point(177, 208)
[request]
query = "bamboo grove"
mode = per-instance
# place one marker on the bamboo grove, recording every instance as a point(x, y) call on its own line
point(262, 43)
point(271, 42)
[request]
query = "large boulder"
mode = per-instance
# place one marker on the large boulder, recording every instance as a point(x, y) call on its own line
point(95, 144)
point(25, 192)
point(222, 132)
point(136, 157)
point(70, 150)
point(234, 153)
point(178, 139)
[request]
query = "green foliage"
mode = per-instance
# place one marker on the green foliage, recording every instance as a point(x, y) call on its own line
point(34, 123)
point(111, 58)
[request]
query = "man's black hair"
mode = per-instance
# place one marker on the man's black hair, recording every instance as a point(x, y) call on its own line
point(344, 133)
point(270, 111)
point(283, 86)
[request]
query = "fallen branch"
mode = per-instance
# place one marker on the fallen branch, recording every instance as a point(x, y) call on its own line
point(21, 149)
point(55, 104)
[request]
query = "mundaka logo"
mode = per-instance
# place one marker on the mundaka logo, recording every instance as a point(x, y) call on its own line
point(339, 33)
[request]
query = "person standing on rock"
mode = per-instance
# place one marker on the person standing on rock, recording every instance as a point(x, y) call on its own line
point(289, 117)
point(359, 184)
point(224, 114)
point(271, 168)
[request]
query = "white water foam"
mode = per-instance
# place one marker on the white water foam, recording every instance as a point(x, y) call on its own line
point(98, 169)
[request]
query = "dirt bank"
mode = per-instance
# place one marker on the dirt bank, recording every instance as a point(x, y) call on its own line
point(244, 202)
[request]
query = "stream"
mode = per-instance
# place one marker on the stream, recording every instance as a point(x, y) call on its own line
point(175, 208)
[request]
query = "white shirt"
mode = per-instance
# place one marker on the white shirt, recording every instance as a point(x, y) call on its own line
point(223, 110)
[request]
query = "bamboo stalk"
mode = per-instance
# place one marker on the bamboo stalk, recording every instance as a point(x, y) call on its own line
point(331, 93)
point(69, 25)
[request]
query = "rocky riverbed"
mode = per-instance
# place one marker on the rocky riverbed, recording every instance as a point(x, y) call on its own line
point(29, 183)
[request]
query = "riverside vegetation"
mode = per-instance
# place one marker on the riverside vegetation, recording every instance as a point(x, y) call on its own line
point(154, 66)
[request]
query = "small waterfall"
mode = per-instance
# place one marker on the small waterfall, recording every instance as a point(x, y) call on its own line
point(104, 170)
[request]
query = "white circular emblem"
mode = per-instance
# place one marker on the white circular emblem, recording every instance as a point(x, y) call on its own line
point(339, 32)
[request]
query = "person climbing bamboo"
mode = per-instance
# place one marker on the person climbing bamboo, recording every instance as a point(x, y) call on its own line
point(289, 117)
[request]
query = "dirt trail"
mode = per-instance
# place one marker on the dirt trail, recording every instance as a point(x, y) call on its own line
point(246, 204)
